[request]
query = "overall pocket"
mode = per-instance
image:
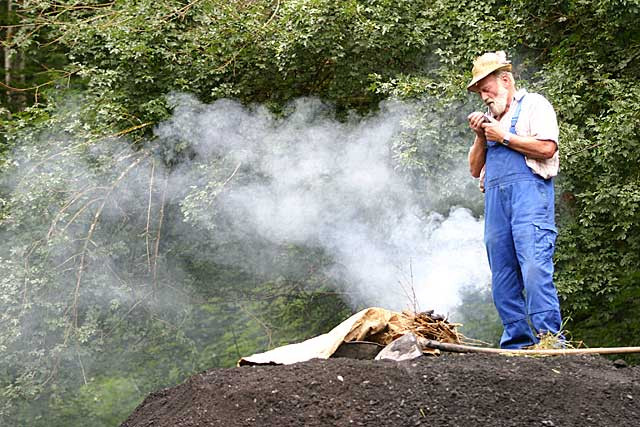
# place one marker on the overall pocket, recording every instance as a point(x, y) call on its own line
point(545, 240)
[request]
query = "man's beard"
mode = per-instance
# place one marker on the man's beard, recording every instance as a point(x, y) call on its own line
point(498, 105)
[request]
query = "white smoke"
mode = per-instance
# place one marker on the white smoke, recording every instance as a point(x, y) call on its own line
point(329, 184)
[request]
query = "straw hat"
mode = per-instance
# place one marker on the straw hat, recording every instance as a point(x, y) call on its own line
point(487, 64)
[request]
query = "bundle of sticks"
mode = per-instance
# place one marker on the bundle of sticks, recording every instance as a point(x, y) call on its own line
point(426, 324)
point(433, 327)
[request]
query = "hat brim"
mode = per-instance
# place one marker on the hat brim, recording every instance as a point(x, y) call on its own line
point(471, 86)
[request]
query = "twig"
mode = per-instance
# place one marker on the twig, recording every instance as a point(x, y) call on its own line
point(413, 288)
point(157, 245)
point(84, 376)
point(26, 89)
point(131, 129)
point(153, 168)
point(62, 210)
point(585, 149)
point(96, 217)
point(120, 320)
point(459, 348)
point(182, 12)
point(47, 160)
point(230, 177)
point(26, 274)
point(78, 212)
point(235, 342)
point(239, 51)
point(226, 181)
point(88, 142)
point(267, 329)
point(413, 300)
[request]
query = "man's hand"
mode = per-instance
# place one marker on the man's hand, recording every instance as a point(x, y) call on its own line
point(477, 153)
point(492, 130)
point(475, 123)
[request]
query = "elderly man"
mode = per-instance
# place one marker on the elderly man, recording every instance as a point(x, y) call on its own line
point(515, 152)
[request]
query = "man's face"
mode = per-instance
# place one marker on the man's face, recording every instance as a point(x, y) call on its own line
point(494, 93)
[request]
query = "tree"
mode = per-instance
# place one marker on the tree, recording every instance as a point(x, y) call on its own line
point(97, 231)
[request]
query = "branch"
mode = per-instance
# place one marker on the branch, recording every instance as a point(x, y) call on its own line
point(459, 348)
point(267, 330)
point(26, 89)
point(153, 168)
point(157, 245)
point(64, 208)
point(92, 228)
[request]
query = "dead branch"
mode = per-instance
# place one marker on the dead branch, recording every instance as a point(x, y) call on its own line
point(131, 129)
point(459, 348)
point(64, 208)
point(157, 244)
point(92, 228)
point(84, 376)
point(267, 330)
point(133, 307)
point(82, 209)
point(432, 327)
point(26, 89)
point(153, 168)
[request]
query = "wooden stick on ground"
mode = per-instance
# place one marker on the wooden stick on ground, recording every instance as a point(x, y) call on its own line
point(458, 348)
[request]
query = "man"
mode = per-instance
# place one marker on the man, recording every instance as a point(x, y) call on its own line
point(516, 152)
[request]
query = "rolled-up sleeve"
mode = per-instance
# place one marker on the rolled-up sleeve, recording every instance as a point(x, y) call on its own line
point(543, 122)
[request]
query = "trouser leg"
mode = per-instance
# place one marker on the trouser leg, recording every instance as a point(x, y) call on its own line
point(535, 244)
point(507, 286)
point(548, 321)
point(506, 279)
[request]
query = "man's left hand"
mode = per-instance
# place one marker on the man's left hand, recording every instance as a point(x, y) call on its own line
point(493, 131)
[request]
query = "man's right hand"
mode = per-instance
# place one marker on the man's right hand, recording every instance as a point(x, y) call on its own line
point(475, 123)
point(478, 151)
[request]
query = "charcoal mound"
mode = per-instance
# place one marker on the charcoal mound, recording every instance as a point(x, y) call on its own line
point(449, 390)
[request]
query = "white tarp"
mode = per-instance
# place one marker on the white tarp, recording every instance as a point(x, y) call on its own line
point(371, 324)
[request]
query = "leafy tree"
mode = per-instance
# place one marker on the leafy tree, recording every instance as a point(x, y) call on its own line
point(88, 266)
point(591, 72)
point(479, 319)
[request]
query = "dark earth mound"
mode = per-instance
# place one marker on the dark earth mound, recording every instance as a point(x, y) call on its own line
point(449, 390)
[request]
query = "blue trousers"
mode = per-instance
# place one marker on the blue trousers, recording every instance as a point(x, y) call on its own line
point(520, 239)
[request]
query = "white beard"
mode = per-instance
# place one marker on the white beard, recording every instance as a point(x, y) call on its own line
point(498, 105)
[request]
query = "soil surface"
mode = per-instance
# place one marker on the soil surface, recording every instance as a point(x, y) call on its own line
point(448, 390)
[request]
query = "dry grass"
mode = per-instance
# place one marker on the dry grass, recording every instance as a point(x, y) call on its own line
point(559, 340)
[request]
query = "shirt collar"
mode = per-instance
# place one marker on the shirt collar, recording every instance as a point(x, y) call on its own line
point(520, 94)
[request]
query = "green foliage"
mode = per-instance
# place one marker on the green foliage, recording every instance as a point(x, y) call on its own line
point(479, 319)
point(432, 150)
point(585, 57)
point(594, 87)
point(86, 268)
point(82, 269)
point(129, 55)
point(102, 402)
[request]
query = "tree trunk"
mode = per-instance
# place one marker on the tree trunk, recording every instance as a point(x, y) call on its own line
point(7, 51)
point(20, 98)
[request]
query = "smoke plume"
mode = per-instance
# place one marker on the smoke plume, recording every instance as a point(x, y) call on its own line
point(308, 179)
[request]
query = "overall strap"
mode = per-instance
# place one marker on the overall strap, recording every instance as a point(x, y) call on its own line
point(516, 115)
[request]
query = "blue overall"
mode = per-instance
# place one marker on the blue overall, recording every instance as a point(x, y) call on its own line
point(520, 235)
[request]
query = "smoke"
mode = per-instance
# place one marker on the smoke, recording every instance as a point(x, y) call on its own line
point(140, 245)
point(245, 181)
point(310, 180)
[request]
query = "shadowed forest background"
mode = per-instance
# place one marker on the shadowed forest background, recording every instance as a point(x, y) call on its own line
point(186, 182)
